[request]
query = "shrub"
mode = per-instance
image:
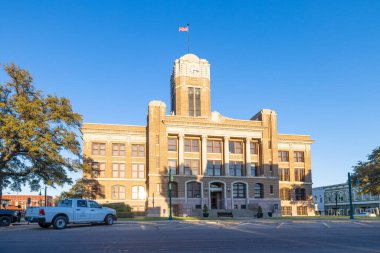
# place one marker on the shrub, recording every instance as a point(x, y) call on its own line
point(122, 210)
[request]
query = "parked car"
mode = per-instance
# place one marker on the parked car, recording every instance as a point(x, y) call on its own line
point(75, 211)
point(366, 214)
point(7, 217)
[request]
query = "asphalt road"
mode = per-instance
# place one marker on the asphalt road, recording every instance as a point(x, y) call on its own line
point(265, 236)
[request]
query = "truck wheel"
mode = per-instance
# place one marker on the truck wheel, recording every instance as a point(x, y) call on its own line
point(5, 221)
point(109, 220)
point(60, 222)
point(44, 225)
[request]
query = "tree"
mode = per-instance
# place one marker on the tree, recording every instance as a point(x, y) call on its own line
point(367, 174)
point(84, 189)
point(38, 135)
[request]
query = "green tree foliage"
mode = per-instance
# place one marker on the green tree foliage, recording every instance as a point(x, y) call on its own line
point(85, 189)
point(367, 174)
point(38, 135)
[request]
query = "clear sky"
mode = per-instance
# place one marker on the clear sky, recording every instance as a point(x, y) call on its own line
point(316, 63)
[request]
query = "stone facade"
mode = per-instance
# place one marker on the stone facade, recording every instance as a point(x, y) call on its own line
point(224, 163)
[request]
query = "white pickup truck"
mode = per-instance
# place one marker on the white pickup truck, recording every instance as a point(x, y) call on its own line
point(70, 211)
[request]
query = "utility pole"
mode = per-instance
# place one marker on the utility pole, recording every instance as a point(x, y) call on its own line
point(350, 194)
point(46, 196)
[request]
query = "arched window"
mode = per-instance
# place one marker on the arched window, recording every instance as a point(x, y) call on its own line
point(239, 190)
point(174, 187)
point(118, 192)
point(138, 192)
point(259, 191)
point(193, 189)
point(285, 194)
point(300, 194)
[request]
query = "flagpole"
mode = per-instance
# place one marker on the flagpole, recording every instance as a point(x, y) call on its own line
point(188, 38)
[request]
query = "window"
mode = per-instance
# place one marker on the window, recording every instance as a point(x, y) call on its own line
point(118, 170)
point(239, 191)
point(81, 203)
point(138, 170)
point(194, 101)
point(172, 166)
point(214, 146)
point(172, 144)
point(236, 168)
point(193, 189)
point(191, 167)
point(271, 189)
point(253, 148)
point(118, 192)
point(174, 188)
point(301, 210)
point(286, 210)
point(118, 149)
point(283, 156)
point(138, 150)
point(299, 174)
point(300, 194)
point(283, 174)
point(98, 169)
point(259, 191)
point(285, 194)
point(191, 145)
point(138, 192)
point(299, 156)
point(98, 148)
point(214, 168)
point(254, 170)
point(236, 147)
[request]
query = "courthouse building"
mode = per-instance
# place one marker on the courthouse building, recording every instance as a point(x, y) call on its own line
point(227, 164)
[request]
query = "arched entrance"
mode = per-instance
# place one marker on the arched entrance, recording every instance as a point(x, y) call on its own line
point(216, 195)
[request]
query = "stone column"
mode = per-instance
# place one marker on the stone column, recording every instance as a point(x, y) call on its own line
point(226, 153)
point(180, 154)
point(204, 155)
point(248, 156)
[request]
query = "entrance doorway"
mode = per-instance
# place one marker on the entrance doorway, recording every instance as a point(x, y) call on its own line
point(217, 195)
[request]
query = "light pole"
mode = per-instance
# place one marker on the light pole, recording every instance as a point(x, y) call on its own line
point(336, 203)
point(170, 194)
point(350, 194)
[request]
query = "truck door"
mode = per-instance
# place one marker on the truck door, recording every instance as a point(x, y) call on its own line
point(81, 211)
point(96, 212)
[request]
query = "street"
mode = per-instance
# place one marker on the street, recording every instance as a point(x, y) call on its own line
point(197, 236)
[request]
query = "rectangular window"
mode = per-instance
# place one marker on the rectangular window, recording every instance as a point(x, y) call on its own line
point(214, 146)
point(236, 168)
point(197, 102)
point(301, 210)
point(138, 170)
point(118, 170)
point(283, 156)
point(191, 101)
point(214, 168)
point(236, 147)
point(98, 148)
point(286, 210)
point(191, 167)
point(254, 170)
point(98, 169)
point(253, 148)
point(193, 190)
point(191, 145)
point(271, 189)
point(172, 144)
point(283, 174)
point(172, 166)
point(118, 149)
point(138, 192)
point(299, 174)
point(299, 156)
point(138, 150)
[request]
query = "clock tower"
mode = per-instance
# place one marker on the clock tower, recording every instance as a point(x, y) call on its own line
point(190, 87)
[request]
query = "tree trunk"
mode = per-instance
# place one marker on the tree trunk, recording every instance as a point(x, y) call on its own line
point(1, 191)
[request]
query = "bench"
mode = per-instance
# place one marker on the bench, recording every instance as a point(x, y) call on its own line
point(225, 214)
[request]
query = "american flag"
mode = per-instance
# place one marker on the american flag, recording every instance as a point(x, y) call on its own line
point(183, 29)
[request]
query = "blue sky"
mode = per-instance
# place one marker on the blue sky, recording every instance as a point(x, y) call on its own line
point(316, 63)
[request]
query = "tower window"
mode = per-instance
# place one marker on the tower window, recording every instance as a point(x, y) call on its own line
point(194, 101)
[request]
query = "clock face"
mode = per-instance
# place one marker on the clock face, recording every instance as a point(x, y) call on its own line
point(194, 69)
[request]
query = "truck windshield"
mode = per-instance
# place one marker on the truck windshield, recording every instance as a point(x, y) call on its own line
point(65, 203)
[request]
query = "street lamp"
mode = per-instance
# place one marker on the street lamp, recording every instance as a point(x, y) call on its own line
point(170, 194)
point(350, 194)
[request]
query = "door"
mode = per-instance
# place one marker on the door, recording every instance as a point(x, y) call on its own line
point(96, 212)
point(81, 212)
point(216, 200)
